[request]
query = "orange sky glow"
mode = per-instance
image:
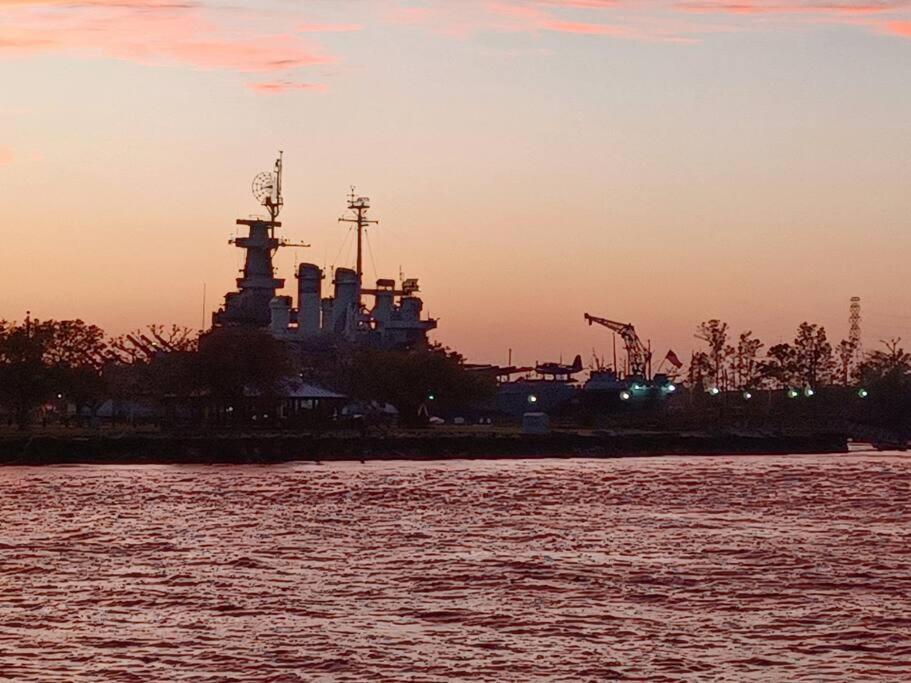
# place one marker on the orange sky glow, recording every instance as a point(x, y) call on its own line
point(659, 162)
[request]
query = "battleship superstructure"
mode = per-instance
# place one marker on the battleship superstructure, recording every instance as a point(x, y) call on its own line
point(394, 321)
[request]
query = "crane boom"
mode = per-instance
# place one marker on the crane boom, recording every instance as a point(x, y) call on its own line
point(639, 356)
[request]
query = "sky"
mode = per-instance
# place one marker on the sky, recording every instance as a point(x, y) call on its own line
point(659, 162)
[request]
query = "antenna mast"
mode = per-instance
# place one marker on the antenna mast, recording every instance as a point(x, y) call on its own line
point(359, 205)
point(267, 188)
point(275, 202)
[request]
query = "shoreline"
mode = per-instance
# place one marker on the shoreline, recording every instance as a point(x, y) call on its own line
point(244, 449)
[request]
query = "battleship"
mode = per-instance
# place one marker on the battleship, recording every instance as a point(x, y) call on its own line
point(392, 320)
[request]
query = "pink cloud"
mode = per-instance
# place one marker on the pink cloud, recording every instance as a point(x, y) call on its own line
point(628, 20)
point(793, 7)
point(586, 28)
point(277, 87)
point(328, 28)
point(99, 3)
point(884, 16)
point(6, 155)
point(649, 19)
point(897, 28)
point(154, 32)
point(244, 37)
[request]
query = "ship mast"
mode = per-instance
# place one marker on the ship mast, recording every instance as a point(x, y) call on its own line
point(275, 201)
point(359, 205)
point(250, 305)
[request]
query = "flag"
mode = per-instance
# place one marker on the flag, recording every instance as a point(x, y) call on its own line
point(671, 358)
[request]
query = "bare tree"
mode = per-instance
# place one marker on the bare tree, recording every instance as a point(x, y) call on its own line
point(144, 344)
point(699, 373)
point(847, 350)
point(715, 334)
point(892, 363)
point(746, 369)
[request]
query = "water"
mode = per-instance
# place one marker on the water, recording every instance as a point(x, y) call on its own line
point(676, 569)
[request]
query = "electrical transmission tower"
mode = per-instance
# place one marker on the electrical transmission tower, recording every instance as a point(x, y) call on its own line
point(854, 328)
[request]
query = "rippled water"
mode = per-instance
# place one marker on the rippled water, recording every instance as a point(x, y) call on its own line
point(696, 569)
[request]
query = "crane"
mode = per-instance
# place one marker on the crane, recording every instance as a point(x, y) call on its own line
point(636, 352)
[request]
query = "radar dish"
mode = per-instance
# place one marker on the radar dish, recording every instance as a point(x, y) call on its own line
point(264, 188)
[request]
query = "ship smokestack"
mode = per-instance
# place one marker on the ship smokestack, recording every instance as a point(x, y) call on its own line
point(309, 297)
point(280, 310)
point(346, 296)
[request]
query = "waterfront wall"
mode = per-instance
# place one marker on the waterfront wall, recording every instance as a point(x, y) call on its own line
point(241, 449)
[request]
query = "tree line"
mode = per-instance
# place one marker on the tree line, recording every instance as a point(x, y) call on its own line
point(738, 363)
point(46, 361)
point(53, 364)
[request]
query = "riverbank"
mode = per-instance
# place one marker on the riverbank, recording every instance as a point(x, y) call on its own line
point(252, 448)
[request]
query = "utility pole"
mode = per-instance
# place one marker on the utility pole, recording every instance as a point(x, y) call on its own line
point(202, 325)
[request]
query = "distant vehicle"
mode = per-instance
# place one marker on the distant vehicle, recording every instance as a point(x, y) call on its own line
point(558, 370)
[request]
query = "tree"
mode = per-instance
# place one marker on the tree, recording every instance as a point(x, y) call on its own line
point(231, 361)
point(144, 344)
point(779, 367)
point(79, 352)
point(847, 350)
point(813, 356)
point(410, 379)
point(75, 344)
point(886, 374)
point(745, 366)
point(129, 382)
point(809, 361)
point(26, 380)
point(41, 359)
point(175, 338)
point(715, 334)
point(891, 365)
point(699, 375)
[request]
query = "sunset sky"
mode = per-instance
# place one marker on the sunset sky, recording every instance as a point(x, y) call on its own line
point(655, 161)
